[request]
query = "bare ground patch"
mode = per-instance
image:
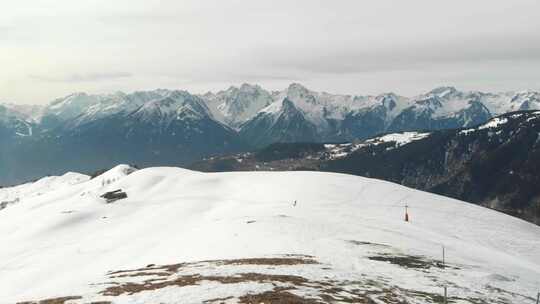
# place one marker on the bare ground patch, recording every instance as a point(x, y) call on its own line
point(411, 261)
point(361, 243)
point(60, 300)
point(189, 280)
point(287, 285)
point(173, 268)
point(217, 300)
point(276, 297)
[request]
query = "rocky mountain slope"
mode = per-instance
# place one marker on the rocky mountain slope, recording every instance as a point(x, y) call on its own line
point(495, 164)
point(188, 237)
point(85, 132)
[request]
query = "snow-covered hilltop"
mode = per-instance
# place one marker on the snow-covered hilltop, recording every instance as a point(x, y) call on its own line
point(188, 237)
point(494, 164)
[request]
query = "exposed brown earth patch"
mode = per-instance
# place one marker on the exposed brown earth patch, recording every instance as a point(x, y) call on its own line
point(360, 243)
point(268, 261)
point(285, 283)
point(60, 300)
point(218, 300)
point(140, 274)
point(189, 280)
point(173, 268)
point(411, 261)
point(276, 297)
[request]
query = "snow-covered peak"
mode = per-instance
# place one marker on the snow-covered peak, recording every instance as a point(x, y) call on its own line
point(250, 88)
point(528, 100)
point(393, 103)
point(302, 97)
point(76, 104)
point(91, 106)
point(140, 97)
point(428, 103)
point(116, 173)
point(322, 109)
point(320, 106)
point(175, 105)
point(280, 107)
point(298, 90)
point(106, 181)
point(444, 102)
point(71, 102)
point(80, 108)
point(160, 107)
point(17, 124)
point(235, 106)
point(444, 91)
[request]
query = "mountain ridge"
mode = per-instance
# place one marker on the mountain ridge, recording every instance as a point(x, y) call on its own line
point(496, 103)
point(176, 123)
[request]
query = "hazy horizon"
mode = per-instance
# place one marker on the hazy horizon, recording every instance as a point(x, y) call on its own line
point(51, 49)
point(270, 90)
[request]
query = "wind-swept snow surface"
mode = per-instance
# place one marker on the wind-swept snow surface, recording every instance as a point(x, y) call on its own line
point(188, 237)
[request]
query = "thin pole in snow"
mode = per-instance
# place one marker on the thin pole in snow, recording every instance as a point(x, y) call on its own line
point(538, 298)
point(443, 262)
point(406, 213)
point(445, 300)
point(445, 295)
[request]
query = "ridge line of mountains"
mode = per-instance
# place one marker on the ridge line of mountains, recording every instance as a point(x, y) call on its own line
point(83, 132)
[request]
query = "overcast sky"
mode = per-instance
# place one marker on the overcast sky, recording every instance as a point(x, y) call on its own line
point(50, 48)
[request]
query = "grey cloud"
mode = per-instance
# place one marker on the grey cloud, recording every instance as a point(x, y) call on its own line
point(345, 58)
point(82, 77)
point(341, 46)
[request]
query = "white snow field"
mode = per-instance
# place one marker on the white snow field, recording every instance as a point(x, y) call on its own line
point(188, 237)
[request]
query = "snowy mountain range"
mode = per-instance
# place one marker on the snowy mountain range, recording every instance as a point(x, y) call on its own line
point(188, 237)
point(85, 132)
